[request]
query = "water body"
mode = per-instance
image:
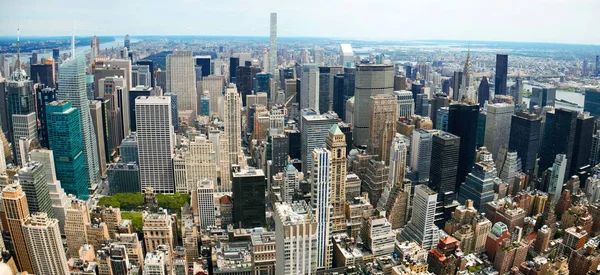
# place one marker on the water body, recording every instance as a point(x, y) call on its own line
point(118, 43)
point(576, 98)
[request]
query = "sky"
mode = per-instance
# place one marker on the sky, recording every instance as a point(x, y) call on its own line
point(559, 21)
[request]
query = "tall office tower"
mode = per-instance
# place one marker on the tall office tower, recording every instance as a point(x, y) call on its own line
point(234, 62)
point(420, 228)
point(158, 230)
point(155, 143)
point(202, 61)
point(129, 149)
point(200, 162)
point(406, 104)
point(375, 179)
point(2, 158)
point(223, 162)
point(72, 88)
point(346, 55)
point(32, 178)
point(314, 131)
point(248, 189)
point(273, 44)
point(525, 139)
point(542, 97)
point(181, 80)
point(439, 100)
point(20, 97)
point(215, 86)
point(318, 56)
point(296, 238)
point(462, 122)
point(140, 75)
point(467, 91)
point(290, 182)
point(99, 125)
point(206, 202)
point(127, 42)
point(4, 125)
point(422, 105)
point(325, 88)
point(245, 76)
point(399, 83)
point(95, 48)
point(43, 74)
point(559, 171)
point(321, 185)
point(456, 85)
point(309, 90)
point(44, 96)
point(479, 186)
point(133, 94)
point(394, 199)
point(280, 145)
point(16, 213)
point(161, 79)
point(583, 142)
point(420, 154)
point(371, 80)
point(336, 144)
point(558, 138)
point(24, 132)
point(124, 177)
point(483, 91)
point(150, 65)
point(594, 151)
point(65, 139)
point(44, 244)
point(445, 150)
point(75, 230)
point(497, 126)
point(233, 128)
point(509, 166)
point(518, 91)
point(501, 74)
point(383, 110)
point(591, 102)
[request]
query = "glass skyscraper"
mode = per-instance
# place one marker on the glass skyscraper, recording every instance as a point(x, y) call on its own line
point(64, 136)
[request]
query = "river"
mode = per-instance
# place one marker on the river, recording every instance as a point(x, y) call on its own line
point(118, 43)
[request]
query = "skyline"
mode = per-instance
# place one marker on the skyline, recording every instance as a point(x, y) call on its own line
point(466, 20)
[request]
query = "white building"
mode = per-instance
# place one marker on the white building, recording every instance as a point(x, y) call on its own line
point(214, 85)
point(155, 263)
point(24, 131)
point(200, 162)
point(181, 80)
point(290, 182)
point(559, 168)
point(309, 87)
point(273, 44)
point(72, 82)
point(44, 244)
point(346, 55)
point(321, 203)
point(155, 142)
point(421, 228)
point(377, 234)
point(206, 203)
point(406, 104)
point(233, 124)
point(295, 238)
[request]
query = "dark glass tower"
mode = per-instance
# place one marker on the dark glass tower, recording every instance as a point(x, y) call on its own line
point(44, 96)
point(501, 74)
point(456, 82)
point(592, 102)
point(483, 91)
point(248, 188)
point(583, 142)
point(234, 62)
point(525, 139)
point(462, 122)
point(438, 101)
point(559, 137)
point(244, 80)
point(21, 100)
point(43, 73)
point(444, 166)
point(542, 97)
point(204, 63)
point(339, 104)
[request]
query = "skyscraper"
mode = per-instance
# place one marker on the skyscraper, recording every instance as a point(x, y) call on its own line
point(483, 91)
point(75, 225)
point(73, 89)
point(233, 120)
point(542, 97)
point(558, 138)
point(346, 55)
point(582, 143)
point(559, 173)
point(501, 74)
point(438, 101)
point(421, 228)
point(479, 186)
point(497, 126)
point(321, 204)
point(462, 122)
point(206, 202)
point(273, 44)
point(382, 125)
point(20, 96)
point(525, 139)
point(181, 80)
point(295, 238)
point(406, 104)
point(456, 85)
point(64, 136)
point(444, 165)
point(127, 43)
point(24, 132)
point(314, 131)
point(371, 80)
point(394, 198)
point(326, 87)
point(200, 162)
point(309, 90)
point(44, 244)
point(336, 144)
point(420, 154)
point(16, 213)
point(155, 141)
point(32, 178)
point(43, 73)
point(214, 85)
point(248, 189)
point(44, 96)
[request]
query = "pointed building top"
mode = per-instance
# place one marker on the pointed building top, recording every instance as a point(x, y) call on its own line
point(335, 129)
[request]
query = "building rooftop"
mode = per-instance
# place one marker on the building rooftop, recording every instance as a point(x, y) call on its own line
point(294, 213)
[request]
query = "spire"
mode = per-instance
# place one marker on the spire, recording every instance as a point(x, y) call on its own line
point(18, 48)
point(73, 40)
